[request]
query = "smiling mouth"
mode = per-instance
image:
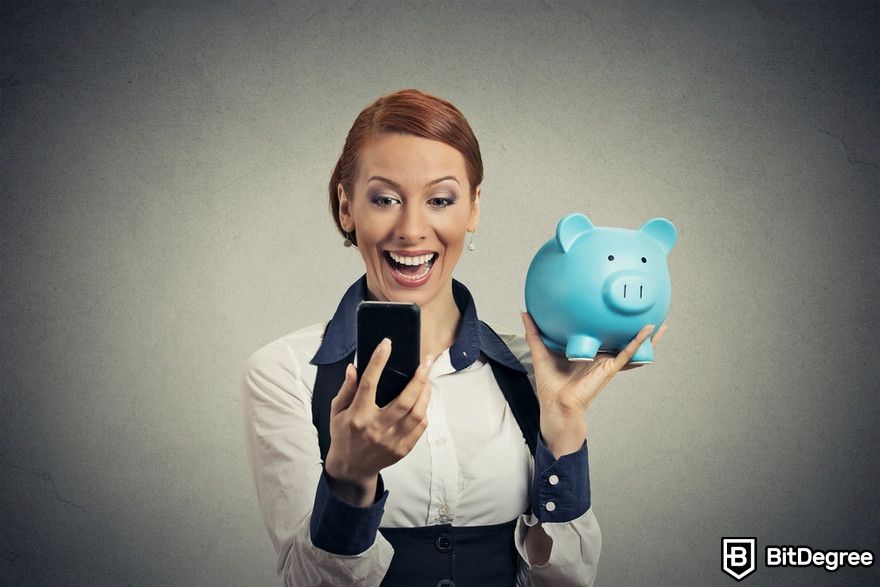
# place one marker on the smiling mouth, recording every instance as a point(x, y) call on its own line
point(413, 268)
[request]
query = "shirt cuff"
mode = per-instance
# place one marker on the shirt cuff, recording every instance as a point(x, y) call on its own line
point(341, 528)
point(561, 487)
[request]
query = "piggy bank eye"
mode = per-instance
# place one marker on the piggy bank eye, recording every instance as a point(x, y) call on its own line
point(644, 260)
point(610, 257)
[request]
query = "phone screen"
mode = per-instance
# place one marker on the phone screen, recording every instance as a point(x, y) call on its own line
point(399, 321)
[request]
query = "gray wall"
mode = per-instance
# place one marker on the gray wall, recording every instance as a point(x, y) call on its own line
point(164, 169)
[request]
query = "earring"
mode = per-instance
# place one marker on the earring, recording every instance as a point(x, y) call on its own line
point(471, 246)
point(347, 242)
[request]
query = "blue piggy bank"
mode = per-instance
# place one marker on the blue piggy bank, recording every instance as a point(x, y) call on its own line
point(593, 288)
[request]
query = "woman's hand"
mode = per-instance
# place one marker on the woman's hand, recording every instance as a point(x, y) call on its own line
point(364, 438)
point(567, 388)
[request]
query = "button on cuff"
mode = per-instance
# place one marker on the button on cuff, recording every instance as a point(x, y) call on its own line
point(560, 487)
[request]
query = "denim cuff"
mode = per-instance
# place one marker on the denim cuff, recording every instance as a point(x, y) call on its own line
point(561, 487)
point(341, 528)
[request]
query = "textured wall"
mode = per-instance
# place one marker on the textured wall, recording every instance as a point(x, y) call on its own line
point(164, 168)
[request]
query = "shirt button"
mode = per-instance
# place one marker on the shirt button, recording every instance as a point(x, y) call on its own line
point(441, 441)
point(443, 510)
point(553, 479)
point(550, 506)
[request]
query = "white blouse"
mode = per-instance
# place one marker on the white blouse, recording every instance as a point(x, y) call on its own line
point(471, 467)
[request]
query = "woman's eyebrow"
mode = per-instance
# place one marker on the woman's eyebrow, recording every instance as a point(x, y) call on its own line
point(429, 184)
point(439, 179)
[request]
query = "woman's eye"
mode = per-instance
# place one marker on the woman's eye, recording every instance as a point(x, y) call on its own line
point(384, 201)
point(442, 202)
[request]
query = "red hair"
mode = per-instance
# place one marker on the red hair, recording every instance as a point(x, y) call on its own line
point(409, 112)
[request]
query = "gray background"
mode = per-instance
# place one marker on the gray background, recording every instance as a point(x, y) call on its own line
point(164, 172)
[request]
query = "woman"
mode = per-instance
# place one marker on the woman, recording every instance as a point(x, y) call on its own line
point(477, 473)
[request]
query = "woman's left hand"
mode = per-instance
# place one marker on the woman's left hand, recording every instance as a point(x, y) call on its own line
point(567, 388)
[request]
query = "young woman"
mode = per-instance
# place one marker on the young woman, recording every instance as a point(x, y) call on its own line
point(477, 474)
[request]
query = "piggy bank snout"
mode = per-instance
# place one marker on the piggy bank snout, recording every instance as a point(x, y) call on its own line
point(629, 292)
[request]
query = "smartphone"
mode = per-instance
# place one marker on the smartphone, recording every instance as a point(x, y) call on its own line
point(399, 321)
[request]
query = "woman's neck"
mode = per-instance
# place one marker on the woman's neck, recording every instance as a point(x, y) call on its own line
point(440, 320)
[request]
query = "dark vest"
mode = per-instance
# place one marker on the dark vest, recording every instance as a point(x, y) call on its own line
point(443, 554)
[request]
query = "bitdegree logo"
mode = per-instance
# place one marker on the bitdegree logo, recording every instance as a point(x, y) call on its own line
point(738, 557)
point(804, 556)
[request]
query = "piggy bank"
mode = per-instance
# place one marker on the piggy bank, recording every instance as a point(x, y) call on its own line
point(592, 289)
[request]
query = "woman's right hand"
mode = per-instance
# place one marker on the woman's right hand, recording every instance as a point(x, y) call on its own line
point(364, 438)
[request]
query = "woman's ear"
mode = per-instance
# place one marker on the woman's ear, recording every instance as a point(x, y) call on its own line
point(344, 209)
point(474, 219)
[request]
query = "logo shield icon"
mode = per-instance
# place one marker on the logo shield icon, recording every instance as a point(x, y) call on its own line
point(738, 557)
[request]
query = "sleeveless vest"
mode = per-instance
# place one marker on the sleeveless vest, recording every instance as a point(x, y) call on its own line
point(443, 554)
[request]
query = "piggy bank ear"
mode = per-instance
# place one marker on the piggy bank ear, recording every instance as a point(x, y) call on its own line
point(570, 228)
point(662, 231)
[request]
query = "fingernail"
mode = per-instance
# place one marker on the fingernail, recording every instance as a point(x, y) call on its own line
point(385, 344)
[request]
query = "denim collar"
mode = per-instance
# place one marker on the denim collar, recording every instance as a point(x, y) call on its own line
point(474, 335)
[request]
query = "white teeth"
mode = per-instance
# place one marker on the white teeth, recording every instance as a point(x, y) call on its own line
point(419, 260)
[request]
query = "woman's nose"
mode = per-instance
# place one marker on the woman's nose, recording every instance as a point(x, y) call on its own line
point(412, 226)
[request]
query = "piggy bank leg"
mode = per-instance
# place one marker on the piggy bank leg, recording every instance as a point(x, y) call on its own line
point(644, 355)
point(581, 348)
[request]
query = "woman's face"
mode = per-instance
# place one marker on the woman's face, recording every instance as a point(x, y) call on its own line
point(411, 203)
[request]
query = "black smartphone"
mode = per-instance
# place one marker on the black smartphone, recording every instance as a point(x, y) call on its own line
point(399, 321)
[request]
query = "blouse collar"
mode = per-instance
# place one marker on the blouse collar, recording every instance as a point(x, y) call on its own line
point(474, 335)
